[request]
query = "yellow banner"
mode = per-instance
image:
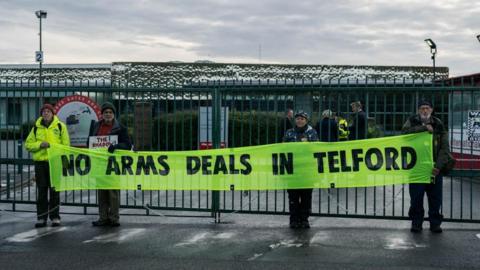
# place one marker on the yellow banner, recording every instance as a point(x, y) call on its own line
point(363, 163)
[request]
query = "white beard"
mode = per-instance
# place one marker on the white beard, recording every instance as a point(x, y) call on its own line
point(425, 118)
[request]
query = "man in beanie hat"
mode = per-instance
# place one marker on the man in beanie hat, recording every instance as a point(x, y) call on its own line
point(424, 121)
point(300, 200)
point(108, 105)
point(48, 129)
point(109, 200)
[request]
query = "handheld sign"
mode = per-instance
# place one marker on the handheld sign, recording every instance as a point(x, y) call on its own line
point(102, 141)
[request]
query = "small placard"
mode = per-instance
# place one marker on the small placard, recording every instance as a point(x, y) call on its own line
point(102, 141)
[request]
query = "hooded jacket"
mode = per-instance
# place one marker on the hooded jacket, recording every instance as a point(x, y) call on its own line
point(51, 134)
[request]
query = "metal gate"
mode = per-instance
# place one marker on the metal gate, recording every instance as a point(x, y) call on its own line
point(256, 111)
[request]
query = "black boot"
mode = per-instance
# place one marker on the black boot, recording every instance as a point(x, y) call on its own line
point(416, 227)
point(100, 223)
point(41, 223)
point(294, 222)
point(305, 224)
point(436, 229)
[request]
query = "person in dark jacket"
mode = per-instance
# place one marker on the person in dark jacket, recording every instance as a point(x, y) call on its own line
point(424, 121)
point(109, 200)
point(358, 129)
point(327, 128)
point(300, 200)
point(286, 124)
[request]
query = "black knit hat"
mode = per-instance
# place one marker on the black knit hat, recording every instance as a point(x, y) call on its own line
point(108, 105)
point(424, 102)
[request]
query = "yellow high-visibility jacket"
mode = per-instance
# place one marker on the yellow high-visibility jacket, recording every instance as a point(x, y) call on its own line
point(343, 131)
point(55, 133)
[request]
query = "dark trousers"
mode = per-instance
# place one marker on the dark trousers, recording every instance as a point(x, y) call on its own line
point(434, 195)
point(108, 205)
point(300, 204)
point(45, 207)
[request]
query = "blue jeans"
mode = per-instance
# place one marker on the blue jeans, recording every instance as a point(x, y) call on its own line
point(434, 196)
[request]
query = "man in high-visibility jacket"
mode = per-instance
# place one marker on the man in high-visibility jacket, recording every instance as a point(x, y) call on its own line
point(48, 129)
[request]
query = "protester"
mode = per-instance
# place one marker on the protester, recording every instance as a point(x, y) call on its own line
point(48, 129)
point(358, 129)
point(286, 124)
point(343, 131)
point(300, 200)
point(288, 119)
point(109, 200)
point(424, 121)
point(327, 127)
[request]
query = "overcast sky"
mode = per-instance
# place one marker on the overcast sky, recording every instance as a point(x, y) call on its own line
point(340, 32)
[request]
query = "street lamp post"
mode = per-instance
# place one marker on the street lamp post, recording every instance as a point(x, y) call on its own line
point(41, 14)
point(433, 51)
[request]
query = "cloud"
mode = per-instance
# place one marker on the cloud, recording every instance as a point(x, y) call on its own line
point(361, 32)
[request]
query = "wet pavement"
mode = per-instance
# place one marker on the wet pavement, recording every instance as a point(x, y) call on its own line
point(186, 240)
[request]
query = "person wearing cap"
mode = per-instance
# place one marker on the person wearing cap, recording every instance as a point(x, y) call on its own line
point(300, 200)
point(327, 127)
point(424, 121)
point(358, 129)
point(109, 200)
point(48, 129)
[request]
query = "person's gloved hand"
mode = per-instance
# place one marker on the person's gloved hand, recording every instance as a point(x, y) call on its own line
point(112, 148)
point(44, 145)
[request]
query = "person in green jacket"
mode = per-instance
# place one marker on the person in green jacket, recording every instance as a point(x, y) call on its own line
point(343, 131)
point(48, 129)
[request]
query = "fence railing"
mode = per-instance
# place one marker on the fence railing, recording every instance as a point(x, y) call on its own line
point(167, 119)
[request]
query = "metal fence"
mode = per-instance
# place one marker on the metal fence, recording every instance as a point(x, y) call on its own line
point(167, 119)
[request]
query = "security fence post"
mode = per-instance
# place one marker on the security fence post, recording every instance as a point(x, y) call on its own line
point(20, 155)
point(8, 185)
point(216, 122)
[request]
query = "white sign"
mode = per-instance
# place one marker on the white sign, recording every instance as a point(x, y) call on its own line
point(206, 125)
point(78, 113)
point(473, 125)
point(464, 129)
point(102, 141)
point(39, 56)
point(460, 143)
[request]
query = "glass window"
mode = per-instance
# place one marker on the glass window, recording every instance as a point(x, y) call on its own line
point(14, 113)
